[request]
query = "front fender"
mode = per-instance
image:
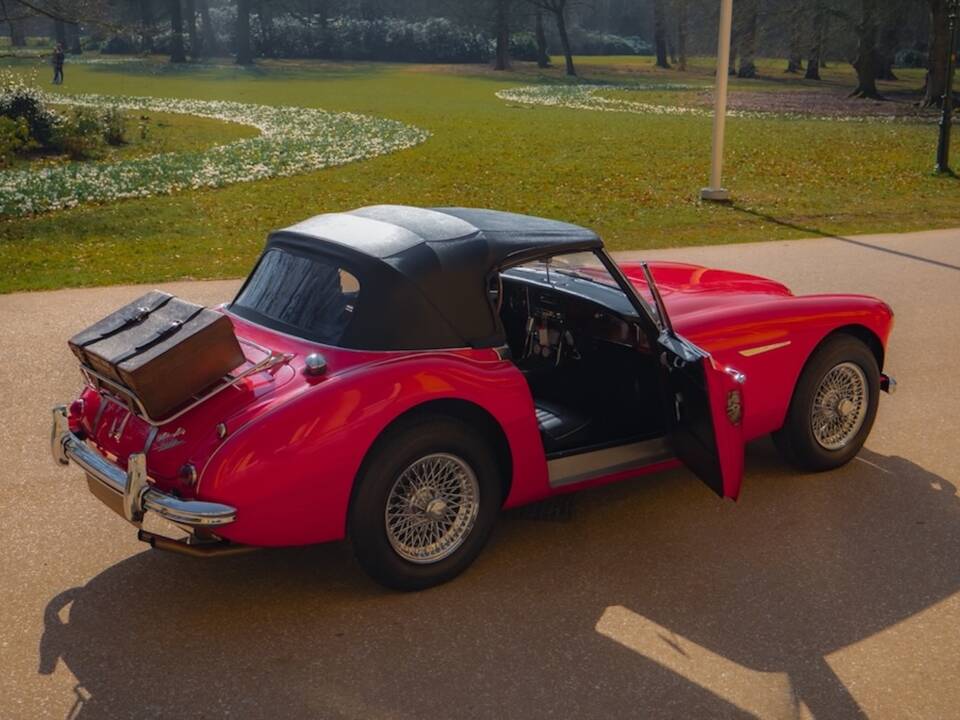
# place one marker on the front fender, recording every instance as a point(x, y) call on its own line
point(771, 341)
point(290, 472)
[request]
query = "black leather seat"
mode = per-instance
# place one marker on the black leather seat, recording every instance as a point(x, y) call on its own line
point(560, 427)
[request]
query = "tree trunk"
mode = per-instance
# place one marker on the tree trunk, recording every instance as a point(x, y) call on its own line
point(660, 32)
point(866, 62)
point(936, 80)
point(681, 34)
point(795, 56)
point(816, 41)
point(60, 31)
point(18, 38)
point(176, 32)
point(543, 58)
point(73, 32)
point(565, 39)
point(146, 23)
point(748, 40)
point(190, 7)
point(265, 18)
point(244, 54)
point(502, 32)
point(210, 46)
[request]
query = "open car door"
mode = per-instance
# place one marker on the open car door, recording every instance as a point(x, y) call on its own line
point(707, 411)
point(707, 407)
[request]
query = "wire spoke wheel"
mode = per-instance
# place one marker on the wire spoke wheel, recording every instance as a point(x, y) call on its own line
point(840, 405)
point(431, 508)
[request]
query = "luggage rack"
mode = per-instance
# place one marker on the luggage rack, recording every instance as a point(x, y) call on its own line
point(115, 392)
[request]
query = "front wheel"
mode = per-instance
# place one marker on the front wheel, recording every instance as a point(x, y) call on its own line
point(833, 406)
point(425, 503)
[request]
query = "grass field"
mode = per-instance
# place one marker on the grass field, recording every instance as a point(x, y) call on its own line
point(632, 177)
point(164, 132)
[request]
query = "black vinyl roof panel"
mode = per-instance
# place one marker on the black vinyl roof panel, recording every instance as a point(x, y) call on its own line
point(383, 231)
point(424, 272)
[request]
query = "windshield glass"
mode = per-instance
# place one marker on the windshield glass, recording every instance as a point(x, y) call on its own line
point(582, 265)
point(579, 273)
point(311, 297)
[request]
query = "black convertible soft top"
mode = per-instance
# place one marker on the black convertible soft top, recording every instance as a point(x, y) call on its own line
point(423, 272)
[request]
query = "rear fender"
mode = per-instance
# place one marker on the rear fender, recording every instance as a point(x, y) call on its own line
point(290, 473)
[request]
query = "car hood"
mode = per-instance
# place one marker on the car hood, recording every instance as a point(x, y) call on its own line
point(692, 291)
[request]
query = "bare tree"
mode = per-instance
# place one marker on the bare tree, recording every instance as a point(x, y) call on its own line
point(748, 39)
point(244, 50)
point(146, 23)
point(543, 58)
point(190, 7)
point(682, 32)
point(502, 32)
point(14, 21)
point(936, 80)
point(815, 55)
point(866, 61)
point(558, 8)
point(795, 53)
point(660, 32)
point(210, 46)
point(176, 32)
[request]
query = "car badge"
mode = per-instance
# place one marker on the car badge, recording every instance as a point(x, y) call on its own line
point(168, 440)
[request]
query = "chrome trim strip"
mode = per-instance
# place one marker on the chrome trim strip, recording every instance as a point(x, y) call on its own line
point(760, 349)
point(132, 485)
point(590, 465)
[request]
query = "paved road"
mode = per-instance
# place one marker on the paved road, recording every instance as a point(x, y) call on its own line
point(828, 596)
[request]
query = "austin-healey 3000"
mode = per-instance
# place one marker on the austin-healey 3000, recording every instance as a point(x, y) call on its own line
point(409, 372)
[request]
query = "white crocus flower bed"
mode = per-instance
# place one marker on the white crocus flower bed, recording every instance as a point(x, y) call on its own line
point(293, 140)
point(588, 97)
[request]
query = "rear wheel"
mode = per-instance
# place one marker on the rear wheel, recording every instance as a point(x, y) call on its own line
point(833, 406)
point(425, 503)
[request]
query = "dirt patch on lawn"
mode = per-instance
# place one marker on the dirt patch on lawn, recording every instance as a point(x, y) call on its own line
point(820, 103)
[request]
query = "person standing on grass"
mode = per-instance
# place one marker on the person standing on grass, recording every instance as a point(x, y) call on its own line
point(58, 56)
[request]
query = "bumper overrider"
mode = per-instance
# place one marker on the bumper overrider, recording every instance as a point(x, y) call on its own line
point(129, 487)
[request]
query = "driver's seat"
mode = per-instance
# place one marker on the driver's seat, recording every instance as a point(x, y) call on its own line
point(561, 428)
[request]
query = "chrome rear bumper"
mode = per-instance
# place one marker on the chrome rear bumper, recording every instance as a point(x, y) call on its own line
point(131, 487)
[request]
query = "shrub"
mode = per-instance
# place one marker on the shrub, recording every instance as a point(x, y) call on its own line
point(121, 44)
point(910, 59)
point(523, 46)
point(114, 126)
point(80, 134)
point(19, 100)
point(590, 42)
point(14, 139)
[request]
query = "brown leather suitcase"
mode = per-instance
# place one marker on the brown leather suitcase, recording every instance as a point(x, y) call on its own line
point(163, 349)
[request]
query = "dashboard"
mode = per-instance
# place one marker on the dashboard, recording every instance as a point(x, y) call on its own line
point(558, 318)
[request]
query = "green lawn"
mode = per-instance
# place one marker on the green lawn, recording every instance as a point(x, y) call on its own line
point(149, 133)
point(634, 178)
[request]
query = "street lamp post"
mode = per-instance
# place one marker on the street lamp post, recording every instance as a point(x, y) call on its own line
point(715, 191)
point(946, 114)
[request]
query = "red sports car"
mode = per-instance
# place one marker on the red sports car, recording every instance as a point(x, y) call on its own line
point(411, 371)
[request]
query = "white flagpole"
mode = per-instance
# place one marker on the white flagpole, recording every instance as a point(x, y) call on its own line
point(715, 191)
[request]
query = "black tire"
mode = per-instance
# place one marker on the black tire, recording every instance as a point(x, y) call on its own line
point(796, 440)
point(393, 453)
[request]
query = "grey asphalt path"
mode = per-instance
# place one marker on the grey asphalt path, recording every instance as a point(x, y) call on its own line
point(828, 596)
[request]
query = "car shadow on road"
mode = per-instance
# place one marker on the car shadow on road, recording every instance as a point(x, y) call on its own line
point(811, 231)
point(653, 599)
